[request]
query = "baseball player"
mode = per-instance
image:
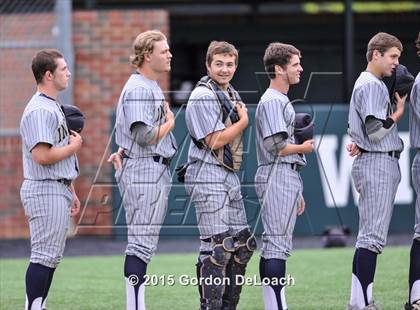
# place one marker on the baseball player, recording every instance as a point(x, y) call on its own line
point(277, 182)
point(414, 272)
point(49, 167)
point(216, 119)
point(143, 133)
point(376, 172)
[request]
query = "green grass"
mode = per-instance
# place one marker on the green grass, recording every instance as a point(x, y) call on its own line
point(322, 282)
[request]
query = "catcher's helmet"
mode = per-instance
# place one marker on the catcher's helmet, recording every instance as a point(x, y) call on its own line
point(74, 117)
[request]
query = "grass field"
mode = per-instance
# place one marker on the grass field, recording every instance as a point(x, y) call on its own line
point(322, 282)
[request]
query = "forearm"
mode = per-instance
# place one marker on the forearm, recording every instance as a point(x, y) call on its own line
point(220, 138)
point(290, 149)
point(162, 131)
point(52, 155)
point(396, 116)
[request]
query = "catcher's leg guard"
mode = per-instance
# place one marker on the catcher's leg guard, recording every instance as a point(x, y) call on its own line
point(211, 272)
point(245, 245)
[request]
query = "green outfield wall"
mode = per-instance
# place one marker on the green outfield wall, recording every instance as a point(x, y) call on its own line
point(331, 199)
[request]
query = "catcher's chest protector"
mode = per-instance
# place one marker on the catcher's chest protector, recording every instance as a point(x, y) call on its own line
point(236, 148)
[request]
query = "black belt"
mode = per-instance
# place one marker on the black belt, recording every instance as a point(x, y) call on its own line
point(394, 154)
point(66, 182)
point(162, 160)
point(295, 167)
point(156, 159)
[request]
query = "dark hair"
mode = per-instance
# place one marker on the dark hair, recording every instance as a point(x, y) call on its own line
point(221, 47)
point(382, 42)
point(278, 54)
point(44, 61)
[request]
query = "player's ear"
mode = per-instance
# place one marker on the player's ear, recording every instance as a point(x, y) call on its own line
point(147, 57)
point(48, 75)
point(207, 67)
point(278, 70)
point(376, 54)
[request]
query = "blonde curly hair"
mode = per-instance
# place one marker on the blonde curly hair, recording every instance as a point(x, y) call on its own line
point(143, 45)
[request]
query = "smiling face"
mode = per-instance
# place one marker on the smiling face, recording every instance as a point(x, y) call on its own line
point(294, 70)
point(291, 72)
point(221, 69)
point(160, 59)
point(61, 75)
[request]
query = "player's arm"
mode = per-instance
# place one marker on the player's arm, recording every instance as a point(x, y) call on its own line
point(220, 138)
point(373, 109)
point(304, 148)
point(161, 131)
point(146, 135)
point(377, 129)
point(45, 154)
point(75, 206)
point(277, 143)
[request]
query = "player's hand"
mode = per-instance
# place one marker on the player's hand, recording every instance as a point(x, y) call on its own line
point(116, 160)
point(308, 146)
point(400, 101)
point(302, 205)
point(242, 111)
point(169, 115)
point(75, 205)
point(353, 149)
point(75, 140)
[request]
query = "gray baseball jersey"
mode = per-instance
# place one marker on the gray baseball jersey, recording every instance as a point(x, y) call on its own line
point(203, 116)
point(46, 202)
point(376, 174)
point(370, 97)
point(215, 191)
point(276, 183)
point(415, 143)
point(275, 114)
point(43, 121)
point(143, 183)
point(142, 100)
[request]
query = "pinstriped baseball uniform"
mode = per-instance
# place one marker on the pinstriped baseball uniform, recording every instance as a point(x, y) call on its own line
point(278, 186)
point(46, 202)
point(376, 174)
point(415, 143)
point(144, 184)
point(215, 191)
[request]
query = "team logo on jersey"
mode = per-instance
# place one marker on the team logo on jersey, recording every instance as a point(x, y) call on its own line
point(62, 132)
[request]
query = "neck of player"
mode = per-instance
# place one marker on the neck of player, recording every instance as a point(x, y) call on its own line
point(148, 73)
point(374, 70)
point(280, 85)
point(48, 90)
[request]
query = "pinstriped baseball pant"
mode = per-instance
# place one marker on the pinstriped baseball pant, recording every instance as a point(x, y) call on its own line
point(216, 194)
point(279, 189)
point(47, 206)
point(376, 177)
point(144, 186)
point(415, 174)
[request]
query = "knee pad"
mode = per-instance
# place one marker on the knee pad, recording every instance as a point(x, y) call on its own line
point(245, 245)
point(223, 247)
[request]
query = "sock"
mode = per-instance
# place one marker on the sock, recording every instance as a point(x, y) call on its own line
point(414, 273)
point(274, 296)
point(38, 280)
point(44, 297)
point(364, 266)
point(134, 272)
